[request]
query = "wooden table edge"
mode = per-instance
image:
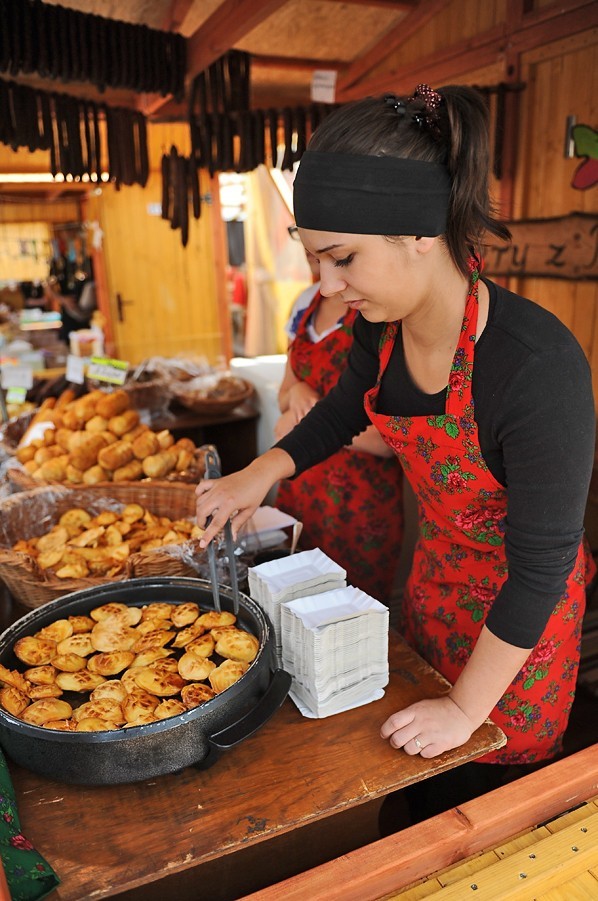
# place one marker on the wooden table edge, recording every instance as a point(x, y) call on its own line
point(391, 864)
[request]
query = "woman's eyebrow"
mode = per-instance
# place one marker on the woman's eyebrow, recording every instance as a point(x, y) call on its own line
point(330, 247)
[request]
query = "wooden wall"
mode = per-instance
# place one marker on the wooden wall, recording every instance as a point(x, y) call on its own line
point(561, 79)
point(170, 293)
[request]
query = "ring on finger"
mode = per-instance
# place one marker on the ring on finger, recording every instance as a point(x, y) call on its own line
point(418, 744)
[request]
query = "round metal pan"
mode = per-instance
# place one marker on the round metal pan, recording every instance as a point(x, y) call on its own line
point(141, 752)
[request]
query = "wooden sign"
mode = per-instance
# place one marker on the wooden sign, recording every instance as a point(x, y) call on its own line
point(563, 247)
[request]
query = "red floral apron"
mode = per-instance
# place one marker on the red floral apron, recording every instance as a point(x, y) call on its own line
point(459, 562)
point(351, 504)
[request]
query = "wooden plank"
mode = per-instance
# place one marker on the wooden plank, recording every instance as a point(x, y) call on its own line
point(397, 861)
point(525, 875)
point(558, 21)
point(558, 247)
point(391, 41)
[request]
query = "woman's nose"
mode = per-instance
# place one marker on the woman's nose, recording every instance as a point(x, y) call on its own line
point(331, 281)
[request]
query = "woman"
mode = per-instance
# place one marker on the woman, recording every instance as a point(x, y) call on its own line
point(485, 398)
point(350, 504)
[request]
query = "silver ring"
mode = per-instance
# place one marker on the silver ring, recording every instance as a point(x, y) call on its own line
point(417, 743)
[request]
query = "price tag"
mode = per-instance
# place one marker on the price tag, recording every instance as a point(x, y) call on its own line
point(104, 370)
point(75, 369)
point(16, 395)
point(17, 377)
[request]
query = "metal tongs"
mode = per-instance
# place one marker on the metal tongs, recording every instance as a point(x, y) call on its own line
point(213, 471)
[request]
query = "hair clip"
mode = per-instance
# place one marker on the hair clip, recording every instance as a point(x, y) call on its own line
point(431, 100)
point(397, 104)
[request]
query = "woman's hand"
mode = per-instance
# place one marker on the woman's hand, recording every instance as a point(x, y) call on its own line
point(301, 399)
point(284, 424)
point(236, 497)
point(438, 724)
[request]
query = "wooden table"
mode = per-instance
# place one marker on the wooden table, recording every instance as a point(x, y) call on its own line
point(287, 799)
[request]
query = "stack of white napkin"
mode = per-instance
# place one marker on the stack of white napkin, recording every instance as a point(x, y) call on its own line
point(335, 646)
point(307, 573)
point(332, 639)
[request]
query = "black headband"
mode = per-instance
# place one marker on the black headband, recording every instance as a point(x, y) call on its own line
point(371, 195)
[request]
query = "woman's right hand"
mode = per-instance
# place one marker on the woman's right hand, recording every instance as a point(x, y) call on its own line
point(301, 399)
point(236, 497)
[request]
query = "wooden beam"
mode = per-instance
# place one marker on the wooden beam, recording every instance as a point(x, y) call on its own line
point(291, 63)
point(227, 25)
point(386, 4)
point(542, 26)
point(389, 42)
point(389, 865)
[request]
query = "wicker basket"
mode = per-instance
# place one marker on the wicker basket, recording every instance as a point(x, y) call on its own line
point(212, 406)
point(32, 513)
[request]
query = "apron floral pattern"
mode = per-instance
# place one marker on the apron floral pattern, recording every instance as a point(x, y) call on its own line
point(459, 562)
point(351, 504)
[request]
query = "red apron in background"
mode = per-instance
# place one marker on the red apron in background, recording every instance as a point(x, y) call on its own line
point(351, 504)
point(459, 562)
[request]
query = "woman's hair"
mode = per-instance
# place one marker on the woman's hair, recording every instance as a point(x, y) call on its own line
point(454, 134)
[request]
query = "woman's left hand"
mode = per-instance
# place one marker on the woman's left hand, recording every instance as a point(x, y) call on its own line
point(428, 727)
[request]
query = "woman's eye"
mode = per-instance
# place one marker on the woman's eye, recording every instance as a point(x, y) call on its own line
point(344, 262)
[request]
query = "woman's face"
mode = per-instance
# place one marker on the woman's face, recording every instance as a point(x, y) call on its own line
point(369, 273)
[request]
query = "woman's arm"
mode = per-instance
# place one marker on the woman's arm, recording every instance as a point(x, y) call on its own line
point(372, 442)
point(440, 724)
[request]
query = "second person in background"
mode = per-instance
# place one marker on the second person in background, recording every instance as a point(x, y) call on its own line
point(351, 504)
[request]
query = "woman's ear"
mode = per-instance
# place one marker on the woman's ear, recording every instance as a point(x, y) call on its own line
point(424, 245)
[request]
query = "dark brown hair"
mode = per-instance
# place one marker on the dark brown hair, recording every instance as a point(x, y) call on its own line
point(456, 135)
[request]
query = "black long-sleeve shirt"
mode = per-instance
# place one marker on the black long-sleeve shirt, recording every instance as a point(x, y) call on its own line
point(534, 409)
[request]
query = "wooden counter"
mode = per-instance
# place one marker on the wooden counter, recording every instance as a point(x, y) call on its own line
point(543, 825)
point(261, 814)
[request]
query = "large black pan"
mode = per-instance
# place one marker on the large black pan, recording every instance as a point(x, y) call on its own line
point(142, 752)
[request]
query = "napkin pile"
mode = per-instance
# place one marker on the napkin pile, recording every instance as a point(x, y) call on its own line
point(274, 583)
point(333, 640)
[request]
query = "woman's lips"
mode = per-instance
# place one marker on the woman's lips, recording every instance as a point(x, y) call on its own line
point(355, 304)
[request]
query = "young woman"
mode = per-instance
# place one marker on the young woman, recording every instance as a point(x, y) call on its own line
point(485, 398)
point(350, 504)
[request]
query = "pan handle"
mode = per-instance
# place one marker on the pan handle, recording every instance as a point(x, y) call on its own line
point(254, 719)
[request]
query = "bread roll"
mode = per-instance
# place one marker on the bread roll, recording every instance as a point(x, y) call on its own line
point(185, 444)
point(112, 404)
point(71, 420)
point(63, 437)
point(65, 398)
point(158, 465)
point(131, 472)
point(84, 408)
point(124, 422)
point(115, 455)
point(165, 439)
point(47, 453)
point(54, 470)
point(73, 474)
point(109, 437)
point(145, 445)
point(95, 474)
point(184, 459)
point(24, 454)
point(86, 454)
point(50, 437)
point(132, 434)
point(30, 466)
point(97, 423)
